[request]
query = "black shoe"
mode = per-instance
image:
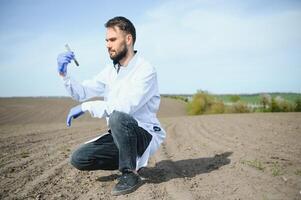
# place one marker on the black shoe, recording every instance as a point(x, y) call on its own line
point(128, 182)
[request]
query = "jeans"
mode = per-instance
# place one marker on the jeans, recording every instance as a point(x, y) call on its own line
point(116, 150)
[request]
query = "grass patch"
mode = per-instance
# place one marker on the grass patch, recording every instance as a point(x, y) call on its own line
point(276, 171)
point(298, 172)
point(257, 164)
point(255, 98)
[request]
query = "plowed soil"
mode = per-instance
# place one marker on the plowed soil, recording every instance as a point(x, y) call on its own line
point(228, 156)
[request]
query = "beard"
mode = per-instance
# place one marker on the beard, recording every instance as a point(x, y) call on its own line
point(119, 55)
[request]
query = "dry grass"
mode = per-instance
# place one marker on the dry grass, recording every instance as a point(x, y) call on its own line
point(257, 164)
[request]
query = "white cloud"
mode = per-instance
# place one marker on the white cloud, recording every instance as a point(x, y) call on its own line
point(199, 37)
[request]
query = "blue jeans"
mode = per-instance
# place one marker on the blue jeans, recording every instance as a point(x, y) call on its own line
point(116, 150)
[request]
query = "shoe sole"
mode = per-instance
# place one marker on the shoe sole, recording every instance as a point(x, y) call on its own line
point(130, 190)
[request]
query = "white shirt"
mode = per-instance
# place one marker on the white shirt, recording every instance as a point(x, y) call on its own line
point(133, 90)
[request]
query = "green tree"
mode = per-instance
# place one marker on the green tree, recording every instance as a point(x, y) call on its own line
point(234, 98)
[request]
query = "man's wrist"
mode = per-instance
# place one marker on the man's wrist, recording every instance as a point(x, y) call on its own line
point(85, 106)
point(65, 77)
point(62, 74)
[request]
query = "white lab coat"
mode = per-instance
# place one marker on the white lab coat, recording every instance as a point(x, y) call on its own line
point(134, 90)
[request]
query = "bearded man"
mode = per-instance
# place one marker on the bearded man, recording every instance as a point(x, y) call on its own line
point(131, 100)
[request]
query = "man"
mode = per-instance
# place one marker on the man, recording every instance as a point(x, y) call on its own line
point(131, 100)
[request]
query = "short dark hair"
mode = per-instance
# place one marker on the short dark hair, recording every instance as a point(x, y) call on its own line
point(123, 24)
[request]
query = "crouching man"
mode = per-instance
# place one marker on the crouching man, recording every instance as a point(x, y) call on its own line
point(129, 88)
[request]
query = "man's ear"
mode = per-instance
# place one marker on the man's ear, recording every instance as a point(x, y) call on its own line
point(129, 39)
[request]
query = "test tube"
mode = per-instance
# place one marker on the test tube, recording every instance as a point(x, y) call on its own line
point(68, 49)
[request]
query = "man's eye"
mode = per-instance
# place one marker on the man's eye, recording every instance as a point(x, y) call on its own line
point(111, 40)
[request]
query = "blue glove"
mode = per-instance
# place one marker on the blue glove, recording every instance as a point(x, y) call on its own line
point(62, 61)
point(74, 113)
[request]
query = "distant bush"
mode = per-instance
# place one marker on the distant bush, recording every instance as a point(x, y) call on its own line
point(204, 103)
point(234, 98)
point(198, 104)
point(297, 105)
point(194, 107)
point(278, 104)
point(217, 108)
point(274, 106)
point(239, 107)
point(265, 101)
point(287, 106)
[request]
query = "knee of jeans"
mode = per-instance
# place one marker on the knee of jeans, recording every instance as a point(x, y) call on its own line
point(114, 118)
point(118, 118)
point(78, 161)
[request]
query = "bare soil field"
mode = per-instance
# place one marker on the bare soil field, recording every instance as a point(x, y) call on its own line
point(228, 156)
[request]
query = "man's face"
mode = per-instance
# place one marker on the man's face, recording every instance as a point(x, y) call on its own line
point(116, 43)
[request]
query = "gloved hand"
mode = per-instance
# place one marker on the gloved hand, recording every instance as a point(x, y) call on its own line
point(62, 61)
point(74, 113)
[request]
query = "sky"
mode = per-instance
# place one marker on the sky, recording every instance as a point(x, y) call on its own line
point(224, 47)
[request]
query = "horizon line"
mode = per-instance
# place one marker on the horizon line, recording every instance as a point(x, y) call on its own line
point(162, 94)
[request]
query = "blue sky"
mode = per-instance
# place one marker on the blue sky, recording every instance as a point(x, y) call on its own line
point(220, 46)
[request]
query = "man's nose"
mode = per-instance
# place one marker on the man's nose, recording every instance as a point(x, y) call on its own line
point(108, 45)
